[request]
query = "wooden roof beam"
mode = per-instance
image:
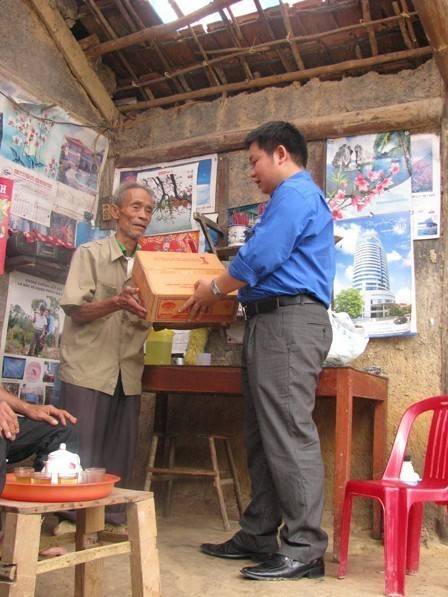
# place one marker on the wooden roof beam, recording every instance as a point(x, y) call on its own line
point(402, 24)
point(409, 25)
point(434, 17)
point(231, 53)
point(268, 27)
point(328, 70)
point(76, 59)
point(109, 31)
point(160, 31)
point(235, 34)
point(211, 75)
point(365, 6)
point(182, 85)
point(290, 34)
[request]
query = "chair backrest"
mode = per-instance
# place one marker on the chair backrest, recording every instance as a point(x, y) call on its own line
point(436, 460)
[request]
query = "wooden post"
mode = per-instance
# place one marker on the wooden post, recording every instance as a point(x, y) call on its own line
point(21, 548)
point(434, 17)
point(142, 533)
point(75, 58)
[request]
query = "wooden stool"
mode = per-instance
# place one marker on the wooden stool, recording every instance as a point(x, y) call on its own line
point(19, 565)
point(172, 471)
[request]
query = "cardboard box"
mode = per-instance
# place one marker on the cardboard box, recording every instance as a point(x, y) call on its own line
point(166, 281)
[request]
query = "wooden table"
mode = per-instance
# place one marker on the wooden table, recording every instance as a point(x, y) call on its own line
point(344, 384)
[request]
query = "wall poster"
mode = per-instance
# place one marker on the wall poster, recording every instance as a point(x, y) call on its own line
point(55, 162)
point(368, 187)
point(30, 337)
point(425, 151)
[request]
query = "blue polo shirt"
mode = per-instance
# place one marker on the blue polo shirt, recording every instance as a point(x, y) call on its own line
point(291, 250)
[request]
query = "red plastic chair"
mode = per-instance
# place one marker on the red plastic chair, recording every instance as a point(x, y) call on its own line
point(402, 503)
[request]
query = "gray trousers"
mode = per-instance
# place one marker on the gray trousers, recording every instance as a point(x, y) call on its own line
point(282, 358)
point(107, 429)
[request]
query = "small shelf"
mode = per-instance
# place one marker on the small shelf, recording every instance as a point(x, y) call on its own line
point(37, 266)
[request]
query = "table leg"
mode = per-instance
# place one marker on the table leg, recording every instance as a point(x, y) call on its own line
point(142, 532)
point(21, 548)
point(161, 413)
point(378, 460)
point(89, 576)
point(343, 452)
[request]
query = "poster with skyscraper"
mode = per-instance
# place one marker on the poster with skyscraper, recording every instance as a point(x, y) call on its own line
point(368, 186)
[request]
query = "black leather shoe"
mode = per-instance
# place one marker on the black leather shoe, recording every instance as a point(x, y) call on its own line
point(232, 551)
point(281, 567)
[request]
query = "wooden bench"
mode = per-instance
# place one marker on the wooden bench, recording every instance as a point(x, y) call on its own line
point(20, 566)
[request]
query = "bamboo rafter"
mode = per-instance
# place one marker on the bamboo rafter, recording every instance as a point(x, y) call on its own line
point(159, 32)
point(247, 51)
point(309, 73)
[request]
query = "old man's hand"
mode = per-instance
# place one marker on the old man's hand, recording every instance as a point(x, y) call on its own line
point(129, 300)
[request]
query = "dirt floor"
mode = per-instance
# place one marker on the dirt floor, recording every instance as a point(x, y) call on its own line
point(185, 572)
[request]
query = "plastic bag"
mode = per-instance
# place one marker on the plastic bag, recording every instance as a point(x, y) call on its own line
point(349, 341)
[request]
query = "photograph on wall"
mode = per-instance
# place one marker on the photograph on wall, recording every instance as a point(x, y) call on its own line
point(368, 189)
point(178, 242)
point(34, 318)
point(12, 388)
point(33, 393)
point(204, 197)
point(13, 367)
point(425, 151)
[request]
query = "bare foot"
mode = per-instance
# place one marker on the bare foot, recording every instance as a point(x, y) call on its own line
point(52, 552)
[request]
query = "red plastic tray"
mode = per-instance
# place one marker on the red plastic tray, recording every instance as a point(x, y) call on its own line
point(46, 492)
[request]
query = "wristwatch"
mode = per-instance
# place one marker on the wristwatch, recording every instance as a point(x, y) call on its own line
point(215, 289)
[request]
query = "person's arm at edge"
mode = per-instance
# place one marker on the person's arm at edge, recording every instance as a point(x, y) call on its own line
point(45, 412)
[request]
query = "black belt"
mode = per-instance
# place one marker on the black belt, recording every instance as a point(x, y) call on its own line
point(272, 303)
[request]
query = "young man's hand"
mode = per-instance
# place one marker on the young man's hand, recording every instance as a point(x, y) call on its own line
point(48, 413)
point(129, 300)
point(201, 300)
point(9, 423)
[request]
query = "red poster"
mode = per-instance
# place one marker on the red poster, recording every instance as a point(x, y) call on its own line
point(177, 242)
point(6, 187)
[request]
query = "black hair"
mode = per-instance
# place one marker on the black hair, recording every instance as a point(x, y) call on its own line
point(270, 135)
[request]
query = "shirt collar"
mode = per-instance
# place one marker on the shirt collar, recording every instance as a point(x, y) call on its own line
point(118, 249)
point(299, 174)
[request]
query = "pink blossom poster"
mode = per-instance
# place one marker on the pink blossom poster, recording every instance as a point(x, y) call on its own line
point(368, 188)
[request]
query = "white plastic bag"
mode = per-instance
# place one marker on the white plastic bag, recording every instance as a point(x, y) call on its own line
point(349, 341)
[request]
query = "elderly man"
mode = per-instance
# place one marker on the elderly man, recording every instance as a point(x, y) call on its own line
point(102, 341)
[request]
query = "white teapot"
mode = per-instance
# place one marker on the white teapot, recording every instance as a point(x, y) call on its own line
point(62, 462)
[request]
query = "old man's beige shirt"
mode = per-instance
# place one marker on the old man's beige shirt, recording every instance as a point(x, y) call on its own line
point(93, 353)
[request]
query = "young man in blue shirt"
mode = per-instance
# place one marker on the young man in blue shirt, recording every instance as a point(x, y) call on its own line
point(284, 274)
